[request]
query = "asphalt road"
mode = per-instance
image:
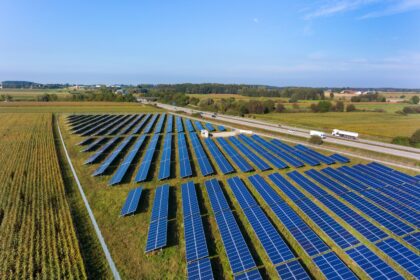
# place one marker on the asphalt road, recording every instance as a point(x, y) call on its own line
point(385, 148)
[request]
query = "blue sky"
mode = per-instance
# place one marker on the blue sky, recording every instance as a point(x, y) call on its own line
point(358, 43)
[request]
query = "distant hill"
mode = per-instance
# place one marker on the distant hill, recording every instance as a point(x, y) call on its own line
point(26, 84)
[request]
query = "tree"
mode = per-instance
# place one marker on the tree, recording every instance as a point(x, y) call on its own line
point(332, 95)
point(314, 108)
point(324, 106)
point(194, 101)
point(280, 108)
point(339, 106)
point(315, 139)
point(294, 98)
point(350, 108)
point(415, 99)
point(415, 138)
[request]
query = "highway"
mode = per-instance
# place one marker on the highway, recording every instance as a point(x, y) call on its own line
point(385, 148)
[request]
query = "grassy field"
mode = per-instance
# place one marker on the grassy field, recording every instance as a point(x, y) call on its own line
point(37, 235)
point(33, 94)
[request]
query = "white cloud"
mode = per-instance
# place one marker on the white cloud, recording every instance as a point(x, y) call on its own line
point(335, 7)
point(397, 8)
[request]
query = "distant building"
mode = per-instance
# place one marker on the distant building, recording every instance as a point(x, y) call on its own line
point(121, 91)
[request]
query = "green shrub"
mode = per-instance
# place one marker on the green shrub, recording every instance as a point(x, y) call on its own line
point(401, 140)
point(315, 139)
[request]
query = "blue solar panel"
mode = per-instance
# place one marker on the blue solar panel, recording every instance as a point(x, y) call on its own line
point(195, 239)
point(160, 203)
point(130, 125)
point(122, 169)
point(209, 127)
point(382, 217)
point(402, 176)
point(109, 160)
point(259, 163)
point(344, 179)
point(284, 185)
point(386, 178)
point(165, 161)
point(157, 235)
point(217, 198)
point(85, 141)
point(200, 270)
point(144, 168)
point(109, 125)
point(102, 151)
point(340, 158)
point(264, 153)
point(365, 179)
point(327, 182)
point(189, 199)
point(221, 128)
point(98, 126)
point(300, 155)
point(249, 275)
point(274, 245)
point(203, 161)
point(402, 197)
point(303, 234)
point(406, 258)
point(189, 125)
point(94, 144)
point(413, 240)
point(333, 268)
point(118, 127)
point(198, 125)
point(179, 125)
point(184, 157)
point(150, 124)
point(170, 124)
point(89, 127)
point(235, 156)
point(292, 271)
point(159, 125)
point(375, 267)
point(220, 159)
point(315, 154)
point(140, 125)
point(277, 151)
point(132, 202)
point(306, 184)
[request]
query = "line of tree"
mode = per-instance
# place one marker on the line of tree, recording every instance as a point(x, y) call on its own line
point(375, 97)
point(324, 106)
point(102, 94)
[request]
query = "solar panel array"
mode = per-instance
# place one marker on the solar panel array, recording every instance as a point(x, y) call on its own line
point(158, 227)
point(217, 155)
point(198, 125)
point(184, 157)
point(144, 168)
point(203, 161)
point(132, 201)
point(179, 125)
point(235, 156)
point(259, 163)
point(165, 161)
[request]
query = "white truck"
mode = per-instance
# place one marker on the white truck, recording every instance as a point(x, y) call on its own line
point(317, 133)
point(345, 134)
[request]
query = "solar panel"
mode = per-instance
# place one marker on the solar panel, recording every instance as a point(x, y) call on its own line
point(94, 144)
point(235, 156)
point(159, 125)
point(119, 126)
point(189, 125)
point(303, 234)
point(264, 153)
point(284, 185)
point(132, 201)
point(315, 154)
point(365, 179)
point(195, 239)
point(386, 178)
point(306, 184)
point(221, 128)
point(292, 271)
point(122, 169)
point(184, 157)
point(200, 270)
point(375, 267)
point(216, 196)
point(160, 203)
point(98, 126)
point(333, 268)
point(165, 161)
point(144, 168)
point(189, 199)
point(203, 161)
point(402, 197)
point(402, 176)
point(88, 127)
point(157, 235)
point(109, 160)
point(272, 148)
point(259, 163)
point(102, 151)
point(406, 258)
point(340, 158)
point(85, 141)
point(198, 125)
point(344, 179)
point(300, 155)
point(109, 126)
point(209, 127)
point(273, 243)
point(140, 125)
point(170, 124)
point(220, 159)
point(130, 125)
point(327, 182)
point(179, 125)
point(413, 239)
point(150, 124)
point(249, 275)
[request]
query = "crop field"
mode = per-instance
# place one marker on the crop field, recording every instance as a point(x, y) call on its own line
point(37, 236)
point(171, 203)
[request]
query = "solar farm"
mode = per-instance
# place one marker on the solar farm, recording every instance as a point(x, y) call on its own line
point(250, 207)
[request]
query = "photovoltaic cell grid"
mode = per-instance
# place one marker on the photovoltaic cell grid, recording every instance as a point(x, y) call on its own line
point(119, 126)
point(404, 177)
point(277, 151)
point(273, 243)
point(122, 169)
point(170, 124)
point(184, 158)
point(94, 144)
point(209, 127)
point(413, 239)
point(109, 160)
point(150, 124)
point(104, 129)
point(292, 271)
point(102, 151)
point(140, 125)
point(159, 125)
point(259, 163)
point(160, 203)
point(203, 161)
point(302, 156)
point(340, 158)
point(343, 179)
point(198, 125)
point(333, 268)
point(189, 125)
point(406, 258)
point(304, 235)
point(249, 275)
point(240, 258)
point(235, 156)
point(179, 125)
point(190, 205)
point(265, 154)
point(195, 239)
point(165, 161)
point(220, 159)
point(375, 267)
point(284, 185)
point(306, 184)
point(221, 128)
point(130, 125)
point(132, 202)
point(200, 269)
point(144, 168)
point(327, 182)
point(315, 154)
